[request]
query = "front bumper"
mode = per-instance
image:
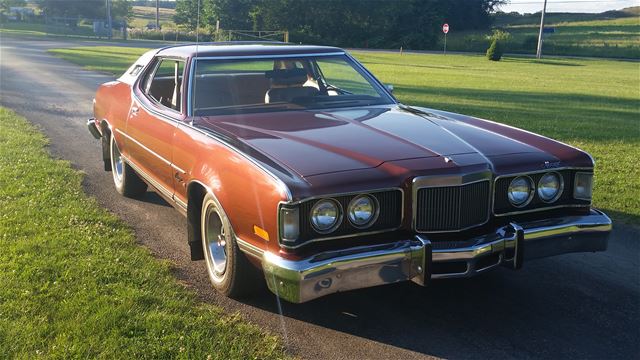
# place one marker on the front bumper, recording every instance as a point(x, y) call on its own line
point(419, 260)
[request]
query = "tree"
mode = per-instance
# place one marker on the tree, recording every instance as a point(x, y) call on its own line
point(5, 5)
point(356, 23)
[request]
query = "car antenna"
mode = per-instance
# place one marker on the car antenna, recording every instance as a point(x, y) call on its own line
point(195, 65)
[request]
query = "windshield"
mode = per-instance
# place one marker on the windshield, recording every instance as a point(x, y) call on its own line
point(277, 84)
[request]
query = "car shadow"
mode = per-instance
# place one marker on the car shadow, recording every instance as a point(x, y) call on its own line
point(567, 306)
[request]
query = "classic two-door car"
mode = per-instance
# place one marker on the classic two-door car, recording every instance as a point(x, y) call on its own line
point(293, 164)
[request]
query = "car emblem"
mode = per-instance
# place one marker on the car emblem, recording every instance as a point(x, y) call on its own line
point(447, 159)
point(549, 165)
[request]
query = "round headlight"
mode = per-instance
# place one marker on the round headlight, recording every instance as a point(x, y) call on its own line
point(325, 216)
point(550, 187)
point(362, 211)
point(520, 191)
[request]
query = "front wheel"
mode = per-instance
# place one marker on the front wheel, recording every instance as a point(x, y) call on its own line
point(229, 270)
point(125, 179)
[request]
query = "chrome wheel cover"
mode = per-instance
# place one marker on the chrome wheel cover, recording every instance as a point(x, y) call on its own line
point(117, 164)
point(215, 239)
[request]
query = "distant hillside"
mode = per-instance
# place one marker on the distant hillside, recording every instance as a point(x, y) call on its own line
point(614, 34)
point(502, 19)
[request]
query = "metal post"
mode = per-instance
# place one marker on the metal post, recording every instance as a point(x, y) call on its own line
point(445, 43)
point(539, 50)
point(157, 14)
point(109, 28)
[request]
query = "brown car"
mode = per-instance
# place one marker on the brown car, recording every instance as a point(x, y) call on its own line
point(296, 165)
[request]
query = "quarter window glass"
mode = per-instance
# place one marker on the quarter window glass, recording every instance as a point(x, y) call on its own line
point(166, 85)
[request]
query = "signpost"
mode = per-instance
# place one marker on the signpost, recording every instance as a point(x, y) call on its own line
point(445, 30)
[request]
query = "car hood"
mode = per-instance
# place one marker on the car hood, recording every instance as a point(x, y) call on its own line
point(320, 142)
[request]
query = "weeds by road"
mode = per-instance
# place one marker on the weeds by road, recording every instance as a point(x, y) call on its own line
point(73, 283)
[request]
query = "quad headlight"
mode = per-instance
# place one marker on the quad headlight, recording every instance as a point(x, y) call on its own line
point(362, 211)
point(550, 187)
point(325, 216)
point(520, 191)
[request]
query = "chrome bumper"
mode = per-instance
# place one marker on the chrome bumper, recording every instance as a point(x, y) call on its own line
point(419, 259)
point(93, 129)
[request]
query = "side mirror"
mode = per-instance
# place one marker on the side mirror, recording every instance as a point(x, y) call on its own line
point(389, 88)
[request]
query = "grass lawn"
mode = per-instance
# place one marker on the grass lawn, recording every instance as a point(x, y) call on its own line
point(592, 104)
point(74, 284)
point(597, 35)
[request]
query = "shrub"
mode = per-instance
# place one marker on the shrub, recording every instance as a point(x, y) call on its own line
point(494, 52)
point(498, 40)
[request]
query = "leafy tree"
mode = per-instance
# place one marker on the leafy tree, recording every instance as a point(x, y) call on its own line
point(359, 23)
point(6, 4)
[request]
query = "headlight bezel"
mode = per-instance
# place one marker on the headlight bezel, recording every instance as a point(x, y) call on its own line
point(532, 190)
point(339, 217)
point(374, 215)
point(558, 194)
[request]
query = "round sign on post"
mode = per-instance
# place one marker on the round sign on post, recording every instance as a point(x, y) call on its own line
point(445, 30)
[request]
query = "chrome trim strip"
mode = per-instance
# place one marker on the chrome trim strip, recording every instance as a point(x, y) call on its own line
point(326, 238)
point(493, 210)
point(144, 147)
point(180, 203)
point(431, 181)
point(249, 248)
point(281, 56)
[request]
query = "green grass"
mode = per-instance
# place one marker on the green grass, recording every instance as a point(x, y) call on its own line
point(592, 104)
point(74, 284)
point(598, 35)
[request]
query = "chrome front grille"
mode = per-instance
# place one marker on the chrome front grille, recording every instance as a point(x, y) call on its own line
point(452, 208)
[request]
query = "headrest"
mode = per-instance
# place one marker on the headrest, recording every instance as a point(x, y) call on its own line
point(287, 76)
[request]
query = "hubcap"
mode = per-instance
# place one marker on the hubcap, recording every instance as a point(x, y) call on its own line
point(118, 165)
point(216, 242)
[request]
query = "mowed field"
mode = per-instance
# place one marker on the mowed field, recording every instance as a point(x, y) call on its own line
point(614, 34)
point(143, 15)
point(591, 104)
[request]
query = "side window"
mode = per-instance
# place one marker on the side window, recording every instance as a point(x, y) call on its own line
point(340, 75)
point(165, 84)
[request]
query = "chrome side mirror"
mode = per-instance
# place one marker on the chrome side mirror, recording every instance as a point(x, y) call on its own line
point(389, 88)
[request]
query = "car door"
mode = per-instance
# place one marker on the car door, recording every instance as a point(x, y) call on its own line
point(154, 115)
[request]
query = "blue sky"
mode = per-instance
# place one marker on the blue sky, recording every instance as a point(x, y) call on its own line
point(591, 6)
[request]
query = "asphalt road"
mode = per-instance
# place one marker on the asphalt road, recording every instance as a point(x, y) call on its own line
point(578, 305)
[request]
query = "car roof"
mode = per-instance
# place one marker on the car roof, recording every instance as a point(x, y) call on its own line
point(240, 48)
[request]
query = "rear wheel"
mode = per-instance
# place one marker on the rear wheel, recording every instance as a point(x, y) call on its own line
point(230, 271)
point(125, 179)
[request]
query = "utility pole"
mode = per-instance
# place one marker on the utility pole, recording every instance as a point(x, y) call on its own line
point(157, 14)
point(539, 51)
point(109, 24)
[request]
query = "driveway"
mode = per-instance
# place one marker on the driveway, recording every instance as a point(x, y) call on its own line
point(578, 305)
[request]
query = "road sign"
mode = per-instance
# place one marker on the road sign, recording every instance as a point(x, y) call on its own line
point(445, 28)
